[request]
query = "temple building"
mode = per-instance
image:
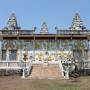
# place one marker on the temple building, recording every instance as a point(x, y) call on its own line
point(45, 48)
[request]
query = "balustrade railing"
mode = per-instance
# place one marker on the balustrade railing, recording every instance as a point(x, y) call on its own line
point(10, 64)
point(17, 32)
point(10, 32)
point(14, 64)
point(66, 32)
point(30, 32)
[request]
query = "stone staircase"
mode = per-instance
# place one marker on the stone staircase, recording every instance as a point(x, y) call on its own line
point(42, 72)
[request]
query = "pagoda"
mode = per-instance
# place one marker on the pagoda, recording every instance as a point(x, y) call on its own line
point(77, 23)
point(44, 28)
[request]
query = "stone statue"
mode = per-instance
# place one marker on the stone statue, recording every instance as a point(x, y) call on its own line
point(7, 54)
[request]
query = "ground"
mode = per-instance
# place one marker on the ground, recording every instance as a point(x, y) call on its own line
point(17, 83)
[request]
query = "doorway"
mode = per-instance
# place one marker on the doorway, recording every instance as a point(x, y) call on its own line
point(12, 55)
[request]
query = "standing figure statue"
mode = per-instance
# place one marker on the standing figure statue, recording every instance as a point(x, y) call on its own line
point(7, 54)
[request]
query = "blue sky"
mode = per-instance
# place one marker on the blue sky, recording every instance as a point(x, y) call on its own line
point(32, 13)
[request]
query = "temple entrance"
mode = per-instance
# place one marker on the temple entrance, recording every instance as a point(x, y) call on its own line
point(11, 55)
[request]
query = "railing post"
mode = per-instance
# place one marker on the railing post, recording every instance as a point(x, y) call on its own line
point(23, 69)
point(23, 73)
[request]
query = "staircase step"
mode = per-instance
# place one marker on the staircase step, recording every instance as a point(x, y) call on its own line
point(50, 71)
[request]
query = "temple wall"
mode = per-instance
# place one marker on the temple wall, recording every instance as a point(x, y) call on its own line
point(36, 49)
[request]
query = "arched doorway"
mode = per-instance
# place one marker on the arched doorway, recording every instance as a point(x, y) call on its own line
point(9, 51)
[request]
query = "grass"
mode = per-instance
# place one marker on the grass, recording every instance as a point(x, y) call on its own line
point(16, 83)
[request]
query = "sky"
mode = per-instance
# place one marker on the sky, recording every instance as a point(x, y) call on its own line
point(32, 13)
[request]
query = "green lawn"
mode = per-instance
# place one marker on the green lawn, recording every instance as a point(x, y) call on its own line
point(16, 83)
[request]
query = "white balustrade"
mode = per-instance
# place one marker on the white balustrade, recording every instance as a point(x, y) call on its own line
point(15, 65)
point(10, 64)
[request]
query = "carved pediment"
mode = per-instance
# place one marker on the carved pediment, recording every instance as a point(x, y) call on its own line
point(8, 44)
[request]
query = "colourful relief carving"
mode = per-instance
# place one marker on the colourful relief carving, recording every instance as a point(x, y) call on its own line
point(52, 56)
point(40, 56)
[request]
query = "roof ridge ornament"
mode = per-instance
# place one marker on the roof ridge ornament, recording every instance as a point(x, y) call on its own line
point(44, 28)
point(12, 23)
point(77, 23)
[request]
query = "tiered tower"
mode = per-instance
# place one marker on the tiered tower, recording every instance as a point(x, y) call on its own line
point(77, 23)
point(44, 28)
point(12, 23)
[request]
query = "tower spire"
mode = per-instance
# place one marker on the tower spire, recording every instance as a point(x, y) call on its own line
point(77, 23)
point(44, 28)
point(12, 23)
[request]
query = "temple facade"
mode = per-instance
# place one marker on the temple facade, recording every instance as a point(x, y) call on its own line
point(45, 47)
